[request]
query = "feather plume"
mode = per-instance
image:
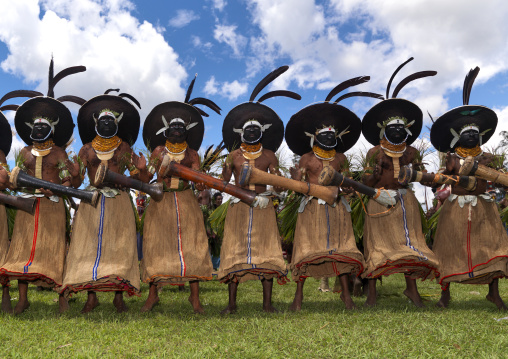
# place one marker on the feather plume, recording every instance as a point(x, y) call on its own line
point(276, 93)
point(205, 102)
point(19, 93)
point(393, 75)
point(64, 73)
point(130, 97)
point(346, 84)
point(361, 94)
point(69, 98)
point(50, 78)
point(266, 80)
point(432, 119)
point(201, 112)
point(189, 90)
point(468, 84)
point(111, 90)
point(9, 107)
point(415, 76)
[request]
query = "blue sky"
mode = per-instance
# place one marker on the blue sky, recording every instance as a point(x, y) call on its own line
point(152, 49)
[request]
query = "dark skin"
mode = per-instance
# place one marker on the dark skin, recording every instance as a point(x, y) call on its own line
point(312, 167)
point(4, 184)
point(470, 139)
point(106, 126)
point(382, 177)
point(266, 162)
point(176, 132)
point(50, 173)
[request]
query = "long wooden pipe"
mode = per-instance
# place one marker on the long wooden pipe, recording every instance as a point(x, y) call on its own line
point(470, 167)
point(18, 178)
point(25, 204)
point(408, 175)
point(104, 175)
point(330, 177)
point(252, 175)
point(178, 170)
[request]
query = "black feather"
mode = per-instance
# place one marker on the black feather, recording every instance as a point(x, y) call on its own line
point(361, 94)
point(110, 90)
point(19, 93)
point(51, 93)
point(346, 84)
point(69, 98)
point(130, 97)
point(393, 75)
point(9, 107)
point(266, 80)
point(415, 76)
point(189, 90)
point(430, 116)
point(468, 84)
point(283, 93)
point(205, 102)
point(64, 73)
point(201, 112)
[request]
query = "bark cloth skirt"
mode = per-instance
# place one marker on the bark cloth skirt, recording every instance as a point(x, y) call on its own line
point(251, 247)
point(175, 244)
point(394, 242)
point(471, 242)
point(37, 250)
point(4, 239)
point(103, 252)
point(324, 244)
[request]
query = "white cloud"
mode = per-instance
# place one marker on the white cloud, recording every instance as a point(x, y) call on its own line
point(183, 18)
point(227, 34)
point(219, 4)
point(230, 90)
point(198, 43)
point(118, 50)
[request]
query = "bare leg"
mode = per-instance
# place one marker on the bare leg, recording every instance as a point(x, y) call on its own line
point(23, 300)
point(412, 292)
point(6, 300)
point(152, 300)
point(323, 285)
point(267, 296)
point(119, 303)
point(297, 302)
point(372, 294)
point(231, 308)
point(445, 298)
point(63, 304)
point(91, 303)
point(357, 287)
point(345, 295)
point(194, 297)
point(494, 296)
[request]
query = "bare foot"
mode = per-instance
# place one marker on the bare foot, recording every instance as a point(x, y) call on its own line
point(350, 305)
point(21, 306)
point(357, 287)
point(119, 303)
point(90, 304)
point(151, 301)
point(196, 305)
point(6, 300)
point(414, 296)
point(296, 306)
point(497, 301)
point(371, 301)
point(270, 309)
point(63, 304)
point(445, 299)
point(230, 309)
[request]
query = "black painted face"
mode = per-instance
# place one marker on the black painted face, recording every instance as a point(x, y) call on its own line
point(469, 139)
point(395, 133)
point(41, 132)
point(176, 133)
point(326, 140)
point(106, 126)
point(252, 134)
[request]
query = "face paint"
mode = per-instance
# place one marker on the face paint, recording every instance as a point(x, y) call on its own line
point(176, 132)
point(40, 132)
point(396, 134)
point(469, 139)
point(326, 140)
point(252, 134)
point(106, 127)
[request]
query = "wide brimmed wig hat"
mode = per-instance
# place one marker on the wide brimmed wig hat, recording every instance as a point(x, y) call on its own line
point(159, 119)
point(445, 131)
point(380, 115)
point(271, 124)
point(46, 109)
point(125, 114)
point(5, 134)
point(304, 125)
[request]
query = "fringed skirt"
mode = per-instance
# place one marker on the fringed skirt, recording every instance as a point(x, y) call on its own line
point(4, 235)
point(37, 250)
point(175, 244)
point(471, 243)
point(394, 241)
point(324, 244)
point(103, 252)
point(251, 247)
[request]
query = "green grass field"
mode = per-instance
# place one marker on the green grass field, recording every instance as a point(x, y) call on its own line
point(323, 329)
